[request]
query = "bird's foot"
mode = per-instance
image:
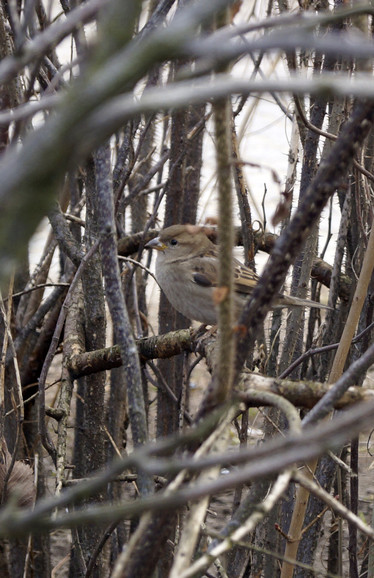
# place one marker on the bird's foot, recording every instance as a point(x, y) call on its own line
point(202, 336)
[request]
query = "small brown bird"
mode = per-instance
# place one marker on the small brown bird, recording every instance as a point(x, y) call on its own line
point(187, 272)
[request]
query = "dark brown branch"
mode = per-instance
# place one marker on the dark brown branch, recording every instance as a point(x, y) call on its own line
point(304, 394)
point(156, 347)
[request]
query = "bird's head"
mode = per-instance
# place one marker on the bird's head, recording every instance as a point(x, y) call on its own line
point(179, 241)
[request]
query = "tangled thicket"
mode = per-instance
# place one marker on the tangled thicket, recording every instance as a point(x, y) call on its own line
point(111, 140)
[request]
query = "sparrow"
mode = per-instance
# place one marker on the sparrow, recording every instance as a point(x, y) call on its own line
point(187, 272)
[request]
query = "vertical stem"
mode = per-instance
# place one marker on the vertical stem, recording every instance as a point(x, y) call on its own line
point(355, 311)
point(336, 371)
point(222, 122)
point(118, 311)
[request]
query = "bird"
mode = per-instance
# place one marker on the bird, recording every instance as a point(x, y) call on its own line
point(187, 271)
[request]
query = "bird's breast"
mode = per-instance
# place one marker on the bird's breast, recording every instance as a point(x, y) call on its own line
point(192, 300)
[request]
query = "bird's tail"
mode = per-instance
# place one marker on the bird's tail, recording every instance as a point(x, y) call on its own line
point(290, 301)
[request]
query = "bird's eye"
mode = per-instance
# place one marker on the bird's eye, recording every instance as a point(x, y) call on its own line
point(173, 242)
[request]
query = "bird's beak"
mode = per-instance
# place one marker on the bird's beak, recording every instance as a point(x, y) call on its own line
point(156, 244)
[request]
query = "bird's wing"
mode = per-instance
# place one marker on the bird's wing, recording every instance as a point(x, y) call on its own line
point(245, 279)
point(205, 273)
point(205, 270)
